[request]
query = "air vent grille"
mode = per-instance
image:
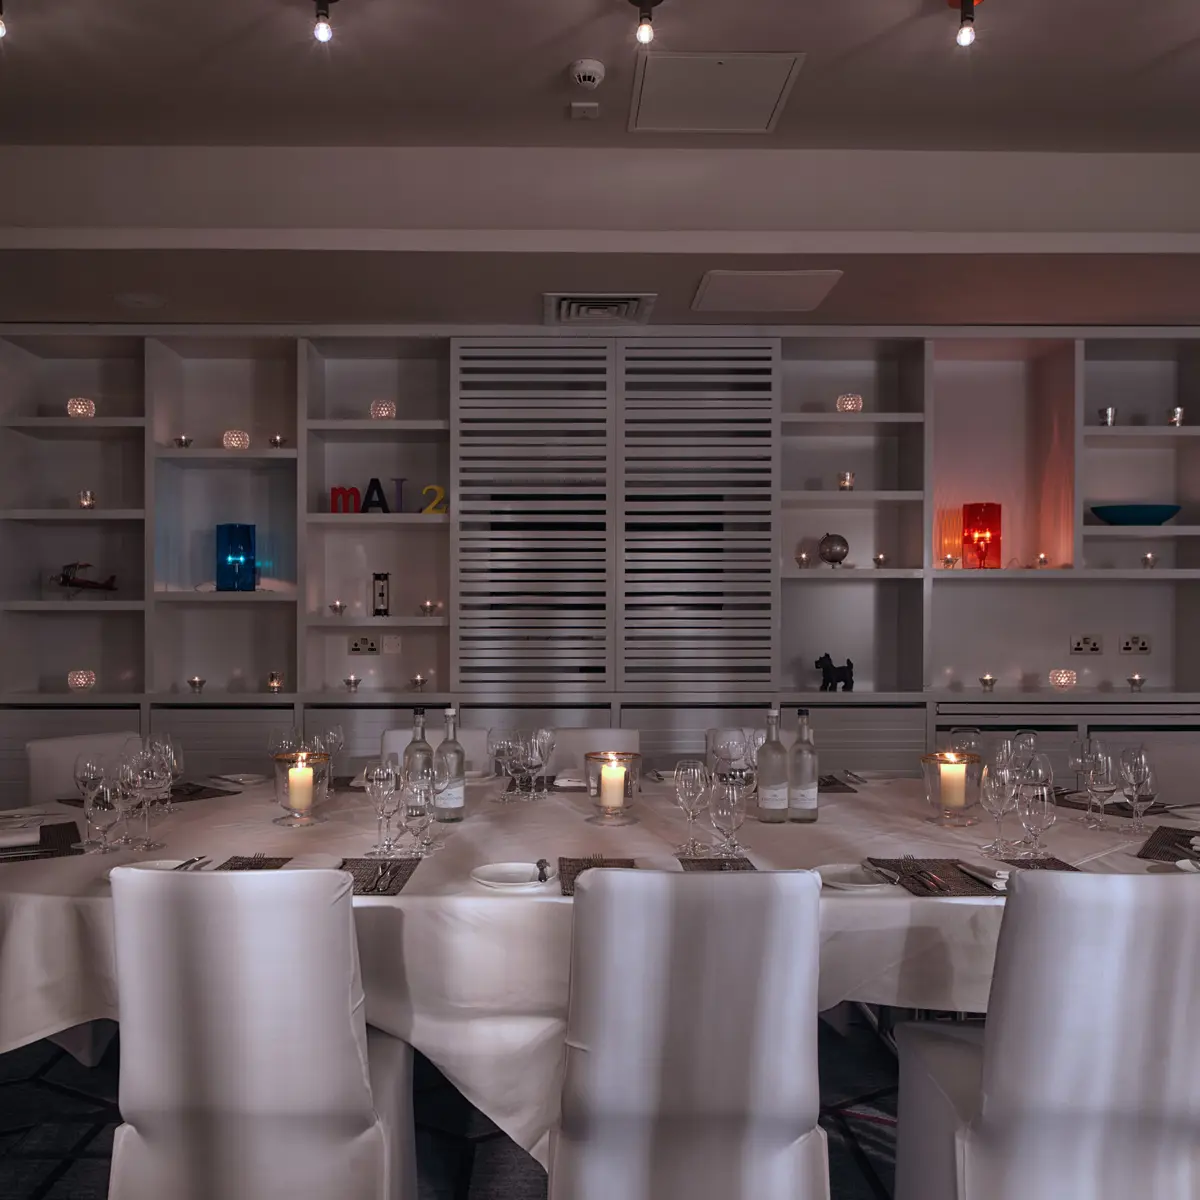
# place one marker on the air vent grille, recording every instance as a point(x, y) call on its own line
point(603, 308)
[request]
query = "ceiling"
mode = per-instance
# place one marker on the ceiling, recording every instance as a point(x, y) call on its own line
point(334, 288)
point(1073, 74)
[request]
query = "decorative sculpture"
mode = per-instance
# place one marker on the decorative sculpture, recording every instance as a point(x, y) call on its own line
point(831, 676)
point(68, 578)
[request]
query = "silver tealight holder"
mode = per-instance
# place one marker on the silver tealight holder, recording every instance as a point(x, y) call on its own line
point(428, 608)
point(1136, 682)
point(277, 441)
point(1175, 417)
point(337, 607)
point(418, 682)
point(804, 560)
point(1108, 416)
point(1149, 560)
point(880, 561)
point(988, 682)
point(351, 682)
point(197, 684)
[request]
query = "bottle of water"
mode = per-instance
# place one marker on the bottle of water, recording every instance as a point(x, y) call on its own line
point(450, 762)
point(802, 782)
point(772, 775)
point(418, 754)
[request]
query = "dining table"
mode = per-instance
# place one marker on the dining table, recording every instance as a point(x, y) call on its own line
point(476, 978)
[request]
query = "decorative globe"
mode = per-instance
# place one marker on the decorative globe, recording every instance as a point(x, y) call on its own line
point(383, 410)
point(235, 439)
point(833, 548)
point(80, 681)
point(850, 402)
point(81, 406)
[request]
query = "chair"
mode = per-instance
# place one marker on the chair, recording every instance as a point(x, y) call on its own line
point(691, 1068)
point(1085, 1082)
point(474, 744)
point(52, 761)
point(570, 746)
point(247, 1068)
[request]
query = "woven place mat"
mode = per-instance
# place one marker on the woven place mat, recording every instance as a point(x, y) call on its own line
point(1169, 843)
point(247, 862)
point(570, 868)
point(1040, 864)
point(539, 787)
point(54, 841)
point(181, 793)
point(716, 864)
point(958, 881)
point(1079, 801)
point(364, 871)
point(831, 783)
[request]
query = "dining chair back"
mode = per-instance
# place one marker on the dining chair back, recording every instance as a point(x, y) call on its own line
point(691, 1069)
point(473, 741)
point(52, 761)
point(571, 745)
point(246, 1064)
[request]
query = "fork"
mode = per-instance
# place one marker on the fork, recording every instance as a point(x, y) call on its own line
point(261, 856)
point(911, 868)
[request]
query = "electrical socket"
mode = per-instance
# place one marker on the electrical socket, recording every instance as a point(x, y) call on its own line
point(1135, 643)
point(1087, 643)
point(364, 645)
point(391, 643)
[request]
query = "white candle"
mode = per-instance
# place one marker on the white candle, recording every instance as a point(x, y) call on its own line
point(612, 785)
point(300, 788)
point(954, 785)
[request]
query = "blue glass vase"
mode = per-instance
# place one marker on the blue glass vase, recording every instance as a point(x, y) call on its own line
point(236, 567)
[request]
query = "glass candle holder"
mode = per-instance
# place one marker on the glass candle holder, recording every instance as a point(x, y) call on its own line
point(880, 561)
point(351, 683)
point(613, 776)
point(81, 406)
point(1136, 682)
point(952, 781)
point(849, 402)
point(383, 410)
point(988, 682)
point(196, 683)
point(1149, 560)
point(845, 481)
point(301, 785)
point(1062, 679)
point(428, 608)
point(235, 439)
point(274, 681)
point(1175, 417)
point(337, 607)
point(81, 681)
point(87, 498)
point(182, 442)
point(277, 441)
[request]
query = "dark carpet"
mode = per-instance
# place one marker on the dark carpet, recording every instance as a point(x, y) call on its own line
point(57, 1120)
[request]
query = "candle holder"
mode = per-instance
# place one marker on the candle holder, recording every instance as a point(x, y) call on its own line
point(982, 529)
point(87, 499)
point(1062, 679)
point(337, 607)
point(428, 608)
point(613, 776)
point(804, 560)
point(277, 441)
point(81, 406)
point(351, 683)
point(197, 684)
point(1108, 416)
point(845, 481)
point(1136, 682)
point(418, 682)
point(235, 439)
point(275, 681)
point(1149, 560)
point(301, 785)
point(952, 781)
point(948, 561)
point(880, 561)
point(383, 410)
point(182, 441)
point(849, 402)
point(1042, 562)
point(81, 681)
point(1175, 417)
point(988, 682)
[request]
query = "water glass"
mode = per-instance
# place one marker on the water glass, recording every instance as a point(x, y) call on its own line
point(1036, 808)
point(380, 780)
point(546, 741)
point(89, 775)
point(692, 782)
point(727, 811)
point(151, 777)
point(1102, 777)
point(729, 747)
point(501, 745)
point(418, 811)
point(998, 796)
point(103, 810)
point(1141, 796)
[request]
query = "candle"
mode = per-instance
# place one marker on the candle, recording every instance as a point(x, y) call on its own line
point(1042, 561)
point(953, 783)
point(612, 785)
point(300, 788)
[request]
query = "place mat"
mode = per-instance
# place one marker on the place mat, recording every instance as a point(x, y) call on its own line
point(54, 841)
point(1115, 808)
point(716, 864)
point(364, 869)
point(957, 880)
point(831, 783)
point(1169, 843)
point(1039, 864)
point(570, 868)
point(537, 791)
point(183, 792)
point(247, 862)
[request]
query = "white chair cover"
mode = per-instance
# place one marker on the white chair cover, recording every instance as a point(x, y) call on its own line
point(246, 1066)
point(691, 1069)
point(474, 744)
point(1086, 1082)
point(570, 746)
point(52, 761)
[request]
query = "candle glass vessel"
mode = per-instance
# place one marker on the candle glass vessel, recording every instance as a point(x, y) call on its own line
point(982, 527)
point(952, 780)
point(613, 776)
point(301, 785)
point(87, 498)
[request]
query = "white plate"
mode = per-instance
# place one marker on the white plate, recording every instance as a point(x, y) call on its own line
point(850, 877)
point(243, 780)
point(512, 876)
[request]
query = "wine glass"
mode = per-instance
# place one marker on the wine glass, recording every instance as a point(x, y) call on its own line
point(103, 810)
point(546, 741)
point(119, 774)
point(172, 752)
point(1035, 807)
point(691, 791)
point(527, 759)
point(966, 741)
point(153, 769)
point(418, 810)
point(1002, 752)
point(1141, 796)
point(285, 741)
point(380, 780)
point(1103, 776)
point(998, 795)
point(727, 811)
point(89, 775)
point(500, 745)
point(729, 747)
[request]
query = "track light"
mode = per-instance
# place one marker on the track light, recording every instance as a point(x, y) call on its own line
point(322, 30)
point(645, 25)
point(3, 27)
point(966, 26)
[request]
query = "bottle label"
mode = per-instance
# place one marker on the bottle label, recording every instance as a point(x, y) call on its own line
point(803, 797)
point(453, 797)
point(773, 795)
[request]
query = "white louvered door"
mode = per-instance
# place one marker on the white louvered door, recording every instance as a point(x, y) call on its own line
point(697, 577)
point(532, 446)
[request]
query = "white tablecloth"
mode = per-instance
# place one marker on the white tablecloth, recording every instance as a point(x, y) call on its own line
point(477, 980)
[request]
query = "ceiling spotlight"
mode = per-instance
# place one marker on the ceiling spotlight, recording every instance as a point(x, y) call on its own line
point(645, 25)
point(322, 30)
point(966, 26)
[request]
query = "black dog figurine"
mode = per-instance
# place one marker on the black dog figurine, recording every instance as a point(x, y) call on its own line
point(831, 676)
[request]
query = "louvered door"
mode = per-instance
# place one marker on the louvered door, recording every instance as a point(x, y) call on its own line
point(697, 574)
point(532, 446)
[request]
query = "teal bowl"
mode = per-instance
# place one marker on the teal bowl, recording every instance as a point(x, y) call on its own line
point(1135, 514)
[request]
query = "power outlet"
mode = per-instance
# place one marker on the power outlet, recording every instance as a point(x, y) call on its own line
point(1087, 643)
point(1135, 643)
point(391, 643)
point(364, 645)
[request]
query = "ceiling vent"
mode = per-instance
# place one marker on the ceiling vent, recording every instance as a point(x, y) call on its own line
point(599, 308)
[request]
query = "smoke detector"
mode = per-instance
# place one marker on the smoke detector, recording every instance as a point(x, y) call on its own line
point(588, 73)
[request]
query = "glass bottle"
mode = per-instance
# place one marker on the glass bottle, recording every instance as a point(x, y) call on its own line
point(418, 754)
point(450, 764)
point(772, 775)
point(802, 782)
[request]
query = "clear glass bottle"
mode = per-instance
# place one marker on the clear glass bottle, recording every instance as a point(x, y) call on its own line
point(418, 753)
point(450, 763)
point(772, 775)
point(802, 776)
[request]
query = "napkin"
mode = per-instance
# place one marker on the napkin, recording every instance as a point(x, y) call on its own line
point(10, 839)
point(570, 779)
point(995, 877)
point(1186, 864)
point(1195, 844)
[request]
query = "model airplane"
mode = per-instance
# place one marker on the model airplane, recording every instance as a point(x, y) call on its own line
point(69, 578)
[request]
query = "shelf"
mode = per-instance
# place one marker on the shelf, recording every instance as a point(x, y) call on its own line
point(218, 698)
point(73, 515)
point(217, 456)
point(225, 597)
point(843, 422)
point(1138, 437)
point(65, 698)
point(90, 607)
point(1084, 575)
point(371, 430)
point(1141, 531)
point(824, 574)
point(335, 623)
point(376, 518)
point(391, 699)
point(815, 698)
point(1009, 575)
point(74, 428)
point(837, 499)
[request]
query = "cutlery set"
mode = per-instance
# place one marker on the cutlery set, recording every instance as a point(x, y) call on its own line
point(383, 878)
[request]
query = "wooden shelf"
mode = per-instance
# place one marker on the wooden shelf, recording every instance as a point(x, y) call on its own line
point(225, 597)
point(73, 515)
point(75, 428)
point(335, 623)
point(91, 607)
point(376, 518)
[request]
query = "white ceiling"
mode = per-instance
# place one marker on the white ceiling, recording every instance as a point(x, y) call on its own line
point(1067, 74)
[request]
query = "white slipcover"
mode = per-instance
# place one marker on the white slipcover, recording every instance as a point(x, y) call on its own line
point(691, 1069)
point(247, 1069)
point(570, 746)
point(473, 741)
point(1086, 1082)
point(52, 761)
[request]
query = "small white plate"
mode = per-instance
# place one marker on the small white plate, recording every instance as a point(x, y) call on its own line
point(512, 876)
point(850, 877)
point(244, 780)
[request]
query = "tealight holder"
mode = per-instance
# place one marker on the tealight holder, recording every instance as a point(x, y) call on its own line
point(182, 441)
point(274, 681)
point(1149, 560)
point(849, 402)
point(804, 560)
point(81, 406)
point(1062, 679)
point(337, 607)
point(613, 776)
point(301, 785)
point(1108, 416)
point(1136, 682)
point(1175, 417)
point(197, 684)
point(845, 481)
point(1042, 561)
point(81, 681)
point(880, 561)
point(988, 682)
point(383, 410)
point(428, 608)
point(87, 499)
point(948, 561)
point(277, 441)
point(235, 439)
point(418, 682)
point(952, 781)
point(351, 683)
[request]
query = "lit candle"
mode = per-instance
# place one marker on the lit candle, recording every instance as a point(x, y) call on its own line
point(1042, 561)
point(954, 783)
point(300, 788)
point(612, 785)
